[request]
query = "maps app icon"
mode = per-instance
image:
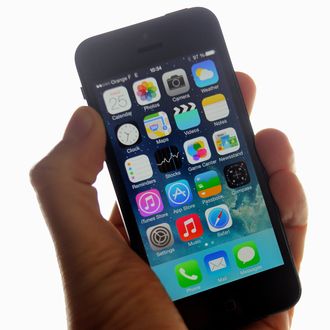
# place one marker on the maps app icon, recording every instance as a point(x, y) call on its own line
point(178, 193)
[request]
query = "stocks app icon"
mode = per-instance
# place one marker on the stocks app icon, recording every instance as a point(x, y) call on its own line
point(168, 159)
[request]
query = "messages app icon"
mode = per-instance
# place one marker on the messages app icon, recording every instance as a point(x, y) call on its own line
point(205, 73)
point(246, 254)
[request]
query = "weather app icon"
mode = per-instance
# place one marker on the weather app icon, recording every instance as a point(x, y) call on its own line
point(178, 193)
point(205, 73)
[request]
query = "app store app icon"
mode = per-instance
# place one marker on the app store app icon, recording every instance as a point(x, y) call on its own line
point(178, 193)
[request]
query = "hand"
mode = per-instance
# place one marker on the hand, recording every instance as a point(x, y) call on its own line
point(107, 286)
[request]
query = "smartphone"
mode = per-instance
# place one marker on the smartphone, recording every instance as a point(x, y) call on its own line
point(180, 151)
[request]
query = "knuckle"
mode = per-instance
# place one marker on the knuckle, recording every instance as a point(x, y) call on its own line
point(42, 173)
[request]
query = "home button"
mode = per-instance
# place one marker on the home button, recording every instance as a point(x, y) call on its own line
point(230, 306)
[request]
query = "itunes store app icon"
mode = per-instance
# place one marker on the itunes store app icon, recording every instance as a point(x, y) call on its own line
point(149, 202)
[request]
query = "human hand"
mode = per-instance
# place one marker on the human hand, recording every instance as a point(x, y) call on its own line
point(107, 286)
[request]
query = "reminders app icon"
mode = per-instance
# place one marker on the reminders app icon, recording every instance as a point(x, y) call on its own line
point(138, 168)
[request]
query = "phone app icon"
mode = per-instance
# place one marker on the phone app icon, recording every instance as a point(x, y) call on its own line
point(197, 150)
point(117, 100)
point(168, 159)
point(175, 82)
point(226, 141)
point(189, 227)
point(218, 218)
point(188, 273)
point(208, 184)
point(178, 193)
point(236, 175)
point(186, 116)
point(205, 73)
point(138, 168)
point(146, 91)
point(128, 134)
point(215, 107)
point(160, 236)
point(246, 254)
point(157, 125)
point(216, 261)
point(149, 202)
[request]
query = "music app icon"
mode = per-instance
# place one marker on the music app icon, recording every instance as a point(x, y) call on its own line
point(189, 227)
point(149, 202)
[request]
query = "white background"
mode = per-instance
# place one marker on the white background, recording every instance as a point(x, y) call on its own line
point(282, 44)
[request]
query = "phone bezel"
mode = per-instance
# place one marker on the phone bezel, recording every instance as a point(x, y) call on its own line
point(141, 45)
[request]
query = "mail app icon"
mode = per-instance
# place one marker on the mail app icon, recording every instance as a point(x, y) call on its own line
point(216, 261)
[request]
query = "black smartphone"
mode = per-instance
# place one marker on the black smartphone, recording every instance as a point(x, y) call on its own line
point(181, 155)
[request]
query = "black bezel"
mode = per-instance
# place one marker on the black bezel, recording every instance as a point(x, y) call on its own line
point(141, 45)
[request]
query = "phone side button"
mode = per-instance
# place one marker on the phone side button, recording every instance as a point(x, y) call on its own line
point(83, 92)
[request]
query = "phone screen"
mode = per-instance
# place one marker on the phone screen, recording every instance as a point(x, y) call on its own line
point(188, 174)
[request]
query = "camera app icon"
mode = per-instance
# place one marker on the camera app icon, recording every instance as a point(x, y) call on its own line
point(176, 82)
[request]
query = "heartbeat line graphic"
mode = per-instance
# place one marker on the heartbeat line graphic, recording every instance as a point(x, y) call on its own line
point(165, 160)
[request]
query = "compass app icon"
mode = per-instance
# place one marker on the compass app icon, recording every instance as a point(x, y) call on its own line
point(178, 193)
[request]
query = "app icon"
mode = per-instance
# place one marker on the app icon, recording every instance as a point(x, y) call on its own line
point(178, 193)
point(236, 175)
point(117, 100)
point(138, 168)
point(146, 91)
point(175, 82)
point(186, 116)
point(218, 218)
point(216, 261)
point(197, 150)
point(226, 141)
point(128, 134)
point(189, 227)
point(157, 125)
point(160, 236)
point(205, 73)
point(208, 184)
point(149, 202)
point(168, 159)
point(188, 273)
point(246, 254)
point(215, 107)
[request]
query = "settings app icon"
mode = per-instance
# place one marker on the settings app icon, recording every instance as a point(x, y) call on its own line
point(160, 236)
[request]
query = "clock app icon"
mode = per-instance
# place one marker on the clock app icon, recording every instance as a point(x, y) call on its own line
point(128, 134)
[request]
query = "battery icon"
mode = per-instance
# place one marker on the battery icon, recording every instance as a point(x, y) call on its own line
point(210, 52)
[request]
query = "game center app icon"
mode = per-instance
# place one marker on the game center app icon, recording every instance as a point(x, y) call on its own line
point(186, 116)
point(205, 73)
point(178, 193)
point(117, 100)
point(189, 227)
point(236, 175)
point(218, 218)
point(197, 150)
point(149, 202)
point(157, 125)
point(226, 141)
point(146, 91)
point(138, 168)
point(168, 159)
point(175, 82)
point(208, 184)
point(160, 236)
point(188, 273)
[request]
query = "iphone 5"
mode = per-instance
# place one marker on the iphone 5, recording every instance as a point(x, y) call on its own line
point(180, 151)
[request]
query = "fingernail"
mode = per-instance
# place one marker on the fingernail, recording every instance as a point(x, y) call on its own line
point(79, 125)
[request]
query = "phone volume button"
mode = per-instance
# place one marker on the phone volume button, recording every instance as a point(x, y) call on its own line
point(83, 92)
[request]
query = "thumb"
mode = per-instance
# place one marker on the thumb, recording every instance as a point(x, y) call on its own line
point(63, 182)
